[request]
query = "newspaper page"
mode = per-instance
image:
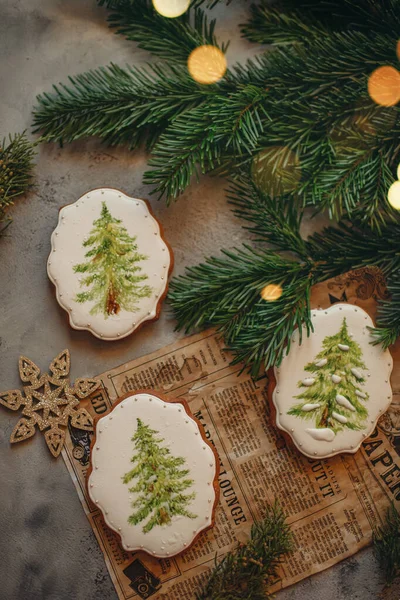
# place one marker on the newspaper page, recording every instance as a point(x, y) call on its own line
point(332, 505)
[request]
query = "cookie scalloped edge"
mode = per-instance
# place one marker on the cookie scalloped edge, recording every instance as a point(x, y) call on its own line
point(272, 387)
point(216, 488)
point(160, 299)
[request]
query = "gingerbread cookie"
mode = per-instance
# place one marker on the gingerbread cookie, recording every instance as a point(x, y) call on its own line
point(331, 390)
point(109, 263)
point(153, 474)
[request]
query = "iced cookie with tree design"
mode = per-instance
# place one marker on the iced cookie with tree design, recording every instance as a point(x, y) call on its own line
point(153, 474)
point(332, 388)
point(109, 263)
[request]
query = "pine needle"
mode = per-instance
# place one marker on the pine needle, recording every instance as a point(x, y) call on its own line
point(308, 97)
point(226, 292)
point(16, 164)
point(247, 572)
point(387, 545)
point(173, 39)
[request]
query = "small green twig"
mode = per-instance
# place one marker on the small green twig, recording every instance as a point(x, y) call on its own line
point(387, 545)
point(248, 571)
point(16, 163)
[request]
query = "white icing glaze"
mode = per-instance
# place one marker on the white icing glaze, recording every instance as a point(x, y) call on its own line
point(339, 417)
point(374, 392)
point(310, 406)
point(322, 435)
point(344, 402)
point(111, 459)
point(308, 381)
point(356, 373)
point(344, 347)
point(321, 363)
point(73, 229)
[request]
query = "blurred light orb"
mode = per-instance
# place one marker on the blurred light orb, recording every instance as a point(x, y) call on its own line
point(207, 64)
point(394, 195)
point(384, 86)
point(276, 170)
point(271, 292)
point(398, 172)
point(171, 8)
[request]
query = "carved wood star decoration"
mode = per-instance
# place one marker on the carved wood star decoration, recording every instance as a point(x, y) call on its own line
point(49, 401)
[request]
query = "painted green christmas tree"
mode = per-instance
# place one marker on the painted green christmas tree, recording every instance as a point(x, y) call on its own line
point(332, 396)
point(160, 482)
point(111, 268)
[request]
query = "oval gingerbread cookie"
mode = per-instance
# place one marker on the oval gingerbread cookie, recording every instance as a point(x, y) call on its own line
point(109, 263)
point(153, 474)
point(331, 390)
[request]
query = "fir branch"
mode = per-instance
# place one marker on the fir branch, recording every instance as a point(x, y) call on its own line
point(338, 250)
point(173, 169)
point(16, 164)
point(230, 118)
point(268, 25)
point(276, 221)
point(173, 38)
point(300, 21)
point(309, 99)
point(388, 320)
point(226, 292)
point(117, 105)
point(246, 573)
point(316, 106)
point(387, 545)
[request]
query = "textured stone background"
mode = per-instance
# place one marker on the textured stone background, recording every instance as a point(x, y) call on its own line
point(47, 549)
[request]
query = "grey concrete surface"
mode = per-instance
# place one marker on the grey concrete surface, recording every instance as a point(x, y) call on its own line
point(47, 549)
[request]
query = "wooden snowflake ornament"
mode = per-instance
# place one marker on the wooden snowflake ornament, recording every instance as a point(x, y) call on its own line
point(49, 401)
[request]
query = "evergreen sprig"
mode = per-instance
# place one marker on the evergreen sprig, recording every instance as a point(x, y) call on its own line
point(389, 313)
point(16, 164)
point(315, 105)
point(307, 98)
point(387, 545)
point(297, 21)
point(248, 571)
point(173, 39)
point(226, 292)
point(121, 106)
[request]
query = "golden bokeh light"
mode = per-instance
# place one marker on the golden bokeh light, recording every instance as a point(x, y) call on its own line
point(384, 86)
point(171, 8)
point(398, 172)
point(271, 292)
point(394, 195)
point(354, 131)
point(276, 170)
point(207, 64)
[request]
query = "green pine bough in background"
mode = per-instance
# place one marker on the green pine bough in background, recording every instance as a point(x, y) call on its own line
point(294, 128)
point(247, 572)
point(387, 545)
point(16, 164)
point(225, 292)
